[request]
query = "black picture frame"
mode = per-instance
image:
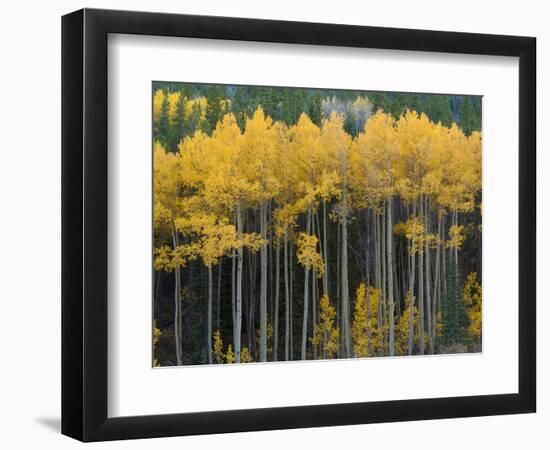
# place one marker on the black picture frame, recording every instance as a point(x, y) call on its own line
point(84, 224)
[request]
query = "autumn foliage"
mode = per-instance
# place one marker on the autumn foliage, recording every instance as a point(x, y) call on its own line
point(305, 241)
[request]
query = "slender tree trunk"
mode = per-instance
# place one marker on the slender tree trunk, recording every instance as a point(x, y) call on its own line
point(209, 319)
point(383, 300)
point(218, 300)
point(443, 261)
point(263, 283)
point(428, 281)
point(313, 308)
point(397, 312)
point(437, 282)
point(456, 247)
point(367, 281)
point(339, 318)
point(276, 311)
point(369, 329)
point(233, 293)
point(177, 300)
point(251, 325)
point(411, 286)
point(378, 277)
point(366, 239)
point(389, 243)
point(345, 283)
point(270, 274)
point(291, 276)
point(405, 260)
point(377, 260)
point(157, 287)
point(306, 294)
point(239, 289)
point(189, 308)
point(421, 286)
point(325, 249)
point(287, 298)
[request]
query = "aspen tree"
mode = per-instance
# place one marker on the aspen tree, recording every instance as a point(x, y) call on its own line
point(338, 144)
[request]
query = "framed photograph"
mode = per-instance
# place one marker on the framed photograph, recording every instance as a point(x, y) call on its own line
point(274, 225)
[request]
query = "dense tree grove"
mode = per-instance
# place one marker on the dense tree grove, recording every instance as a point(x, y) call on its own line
point(294, 224)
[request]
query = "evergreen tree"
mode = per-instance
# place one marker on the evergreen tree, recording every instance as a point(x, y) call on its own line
point(239, 105)
point(453, 309)
point(270, 99)
point(398, 105)
point(439, 109)
point(191, 124)
point(293, 105)
point(214, 110)
point(177, 130)
point(467, 119)
point(414, 104)
point(314, 108)
point(186, 90)
point(379, 101)
point(476, 105)
point(470, 114)
point(163, 123)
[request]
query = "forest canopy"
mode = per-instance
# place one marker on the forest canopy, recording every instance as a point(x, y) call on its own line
point(294, 224)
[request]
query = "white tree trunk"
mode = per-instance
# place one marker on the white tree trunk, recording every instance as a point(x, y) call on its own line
point(177, 314)
point(209, 320)
point(421, 288)
point(428, 282)
point(383, 299)
point(306, 295)
point(389, 244)
point(276, 311)
point(325, 249)
point(411, 288)
point(287, 299)
point(219, 294)
point(239, 290)
point(437, 282)
point(233, 292)
point(177, 301)
point(345, 283)
point(263, 283)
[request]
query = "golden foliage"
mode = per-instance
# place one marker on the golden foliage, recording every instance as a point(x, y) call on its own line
point(472, 299)
point(217, 348)
point(246, 357)
point(366, 335)
point(229, 355)
point(172, 99)
point(156, 338)
point(307, 254)
point(403, 327)
point(360, 325)
point(326, 334)
point(456, 236)
point(205, 190)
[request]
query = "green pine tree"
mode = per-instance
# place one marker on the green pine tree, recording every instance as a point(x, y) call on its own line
point(413, 103)
point(467, 116)
point(453, 309)
point(439, 109)
point(314, 108)
point(163, 123)
point(214, 111)
point(379, 100)
point(193, 121)
point(177, 128)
